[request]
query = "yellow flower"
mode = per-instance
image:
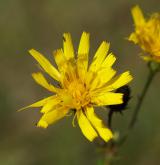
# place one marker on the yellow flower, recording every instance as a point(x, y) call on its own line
point(147, 34)
point(81, 87)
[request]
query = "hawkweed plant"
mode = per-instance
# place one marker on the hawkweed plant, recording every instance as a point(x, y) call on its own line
point(80, 87)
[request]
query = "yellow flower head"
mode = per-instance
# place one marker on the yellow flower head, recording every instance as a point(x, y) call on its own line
point(81, 87)
point(147, 34)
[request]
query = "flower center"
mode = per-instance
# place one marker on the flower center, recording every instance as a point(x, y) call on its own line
point(77, 95)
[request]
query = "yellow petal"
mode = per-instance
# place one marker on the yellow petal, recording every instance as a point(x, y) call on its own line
point(109, 60)
point(108, 98)
point(66, 68)
point(45, 64)
point(38, 103)
point(102, 77)
point(84, 44)
point(50, 104)
point(90, 76)
point(86, 126)
point(133, 37)
point(47, 107)
point(138, 16)
point(51, 117)
point(102, 130)
point(60, 60)
point(99, 56)
point(68, 46)
point(104, 74)
point(119, 81)
point(40, 79)
point(83, 50)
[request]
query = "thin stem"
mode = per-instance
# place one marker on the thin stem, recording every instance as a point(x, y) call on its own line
point(153, 69)
point(141, 98)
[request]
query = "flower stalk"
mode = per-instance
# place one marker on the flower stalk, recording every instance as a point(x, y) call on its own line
point(153, 68)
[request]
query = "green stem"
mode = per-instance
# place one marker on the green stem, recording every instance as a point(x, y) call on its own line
point(141, 98)
point(153, 69)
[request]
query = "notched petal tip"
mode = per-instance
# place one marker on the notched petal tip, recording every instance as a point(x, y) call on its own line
point(35, 74)
point(105, 45)
point(65, 36)
point(32, 51)
point(109, 135)
point(85, 32)
point(130, 77)
point(42, 124)
point(136, 7)
point(86, 35)
point(57, 52)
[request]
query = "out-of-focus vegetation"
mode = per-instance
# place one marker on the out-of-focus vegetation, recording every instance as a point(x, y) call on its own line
point(39, 24)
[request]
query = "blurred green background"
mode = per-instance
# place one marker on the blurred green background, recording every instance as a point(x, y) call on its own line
point(39, 24)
